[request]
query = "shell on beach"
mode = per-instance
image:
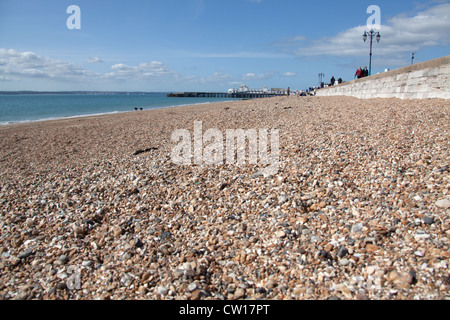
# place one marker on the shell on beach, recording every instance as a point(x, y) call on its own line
point(95, 208)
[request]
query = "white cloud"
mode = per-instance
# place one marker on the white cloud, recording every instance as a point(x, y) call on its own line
point(94, 60)
point(151, 70)
point(15, 65)
point(21, 66)
point(260, 76)
point(289, 74)
point(401, 34)
point(289, 41)
point(217, 77)
point(250, 55)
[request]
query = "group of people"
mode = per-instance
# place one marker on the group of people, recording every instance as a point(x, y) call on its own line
point(333, 81)
point(308, 92)
point(361, 73)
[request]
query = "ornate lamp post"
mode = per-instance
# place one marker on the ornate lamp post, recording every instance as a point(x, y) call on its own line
point(371, 34)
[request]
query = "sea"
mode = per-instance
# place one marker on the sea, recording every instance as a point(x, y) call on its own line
point(16, 108)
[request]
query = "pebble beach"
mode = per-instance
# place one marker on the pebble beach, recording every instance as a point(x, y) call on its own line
point(95, 208)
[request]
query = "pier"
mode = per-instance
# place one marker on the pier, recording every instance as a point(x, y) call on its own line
point(235, 95)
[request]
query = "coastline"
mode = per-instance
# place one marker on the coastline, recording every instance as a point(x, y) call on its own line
point(357, 210)
point(12, 122)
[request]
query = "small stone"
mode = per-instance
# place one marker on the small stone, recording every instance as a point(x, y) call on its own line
point(443, 203)
point(256, 175)
point(401, 279)
point(340, 287)
point(306, 231)
point(321, 204)
point(329, 247)
point(196, 294)
point(371, 247)
point(282, 199)
point(271, 284)
point(87, 263)
point(143, 290)
point(342, 252)
point(15, 261)
point(134, 191)
point(178, 273)
point(420, 235)
point(361, 296)
point(164, 250)
point(299, 290)
point(145, 276)
point(165, 235)
point(126, 280)
point(262, 290)
point(413, 275)
point(25, 254)
point(79, 231)
point(117, 231)
point(344, 262)
point(63, 258)
point(21, 296)
point(357, 227)
point(162, 291)
point(369, 240)
point(138, 243)
point(428, 220)
point(371, 270)
point(193, 286)
point(61, 286)
point(280, 234)
point(239, 293)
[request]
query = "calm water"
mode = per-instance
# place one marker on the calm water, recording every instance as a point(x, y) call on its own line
point(23, 108)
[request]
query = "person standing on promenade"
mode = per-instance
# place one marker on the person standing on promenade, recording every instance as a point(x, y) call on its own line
point(365, 72)
point(358, 73)
point(333, 80)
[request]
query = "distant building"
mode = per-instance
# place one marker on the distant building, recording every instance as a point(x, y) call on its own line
point(278, 91)
point(243, 88)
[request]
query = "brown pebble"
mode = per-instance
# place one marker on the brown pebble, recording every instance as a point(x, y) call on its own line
point(196, 294)
point(117, 231)
point(371, 247)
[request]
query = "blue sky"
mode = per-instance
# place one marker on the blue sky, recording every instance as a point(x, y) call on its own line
point(209, 45)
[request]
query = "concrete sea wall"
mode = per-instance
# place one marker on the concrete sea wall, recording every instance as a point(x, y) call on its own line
point(429, 79)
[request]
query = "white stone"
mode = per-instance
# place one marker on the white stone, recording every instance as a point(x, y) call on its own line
point(443, 203)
